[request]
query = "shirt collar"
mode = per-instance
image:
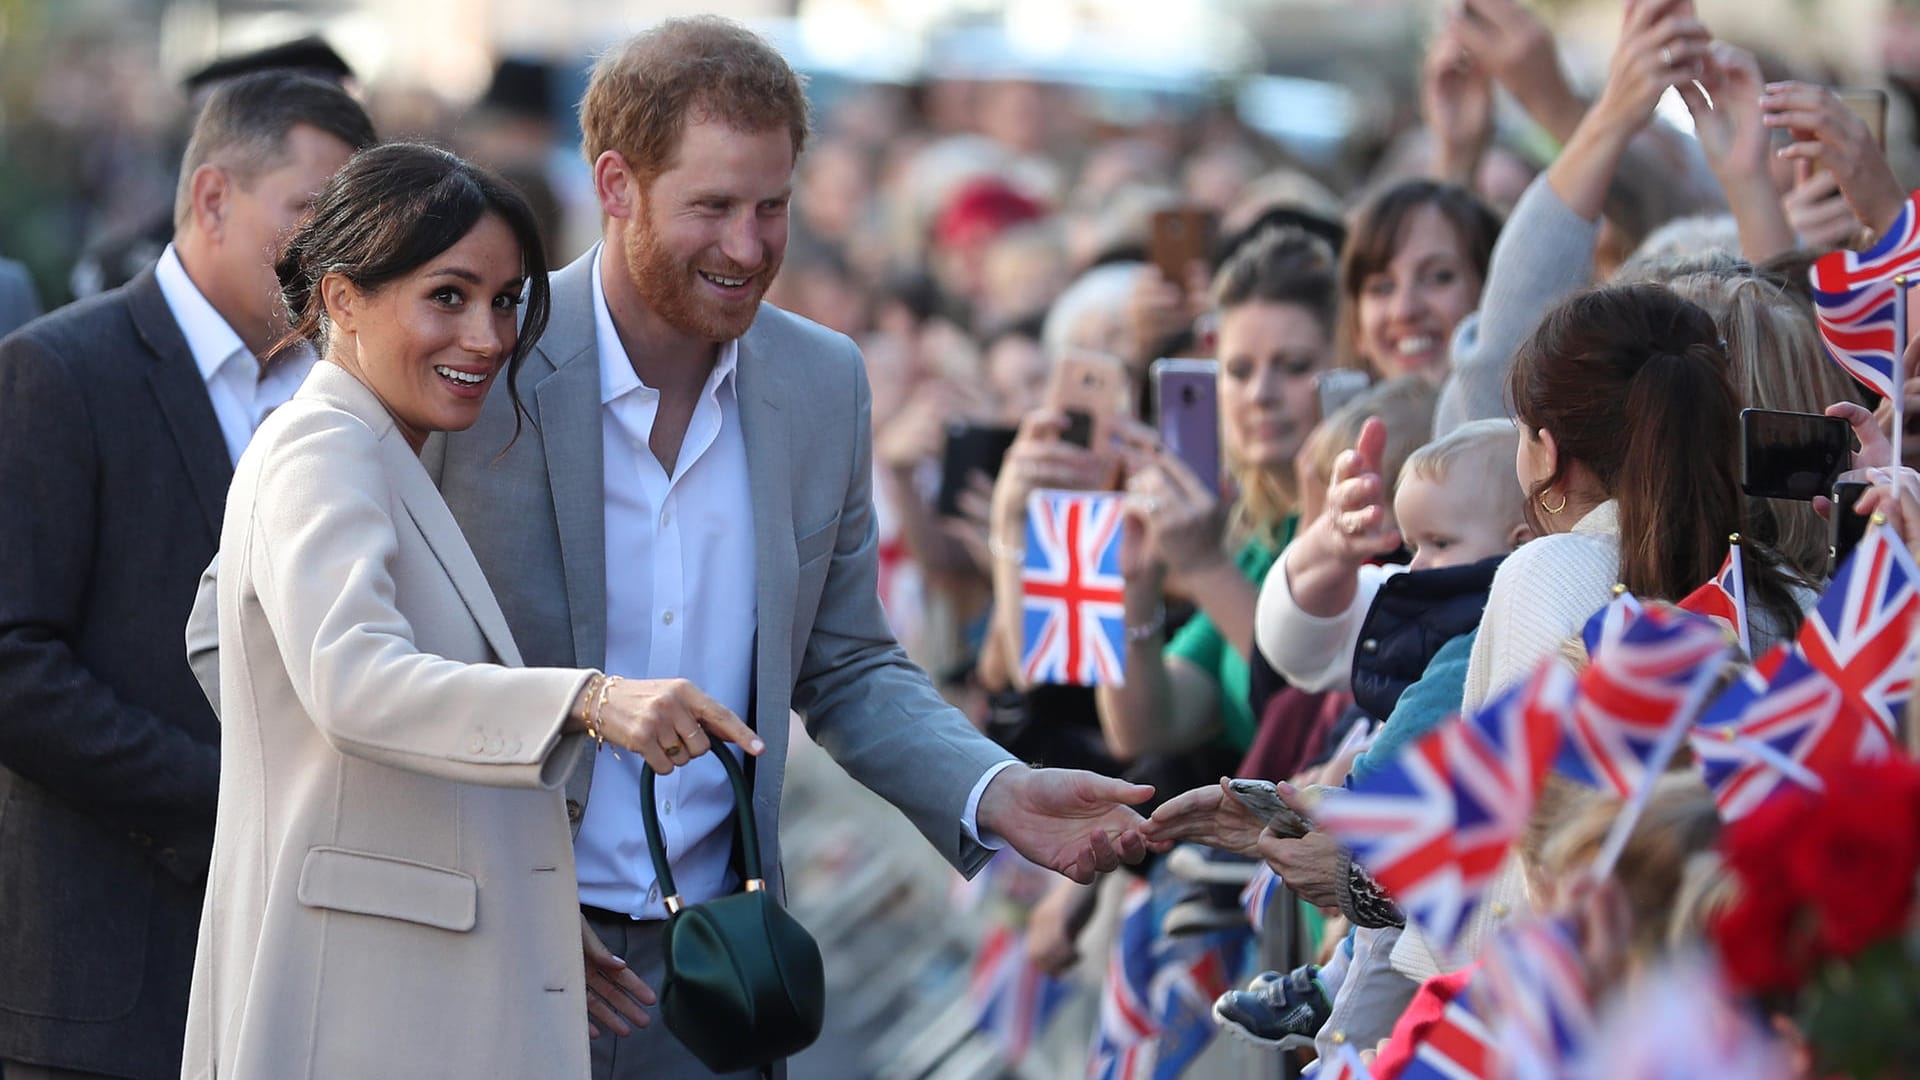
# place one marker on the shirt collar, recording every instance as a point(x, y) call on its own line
point(210, 338)
point(617, 377)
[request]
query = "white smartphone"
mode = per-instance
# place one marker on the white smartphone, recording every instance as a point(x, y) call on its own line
point(1262, 797)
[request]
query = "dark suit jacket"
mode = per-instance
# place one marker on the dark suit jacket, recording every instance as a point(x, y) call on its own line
point(113, 475)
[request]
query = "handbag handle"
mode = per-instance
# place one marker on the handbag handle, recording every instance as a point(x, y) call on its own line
point(743, 811)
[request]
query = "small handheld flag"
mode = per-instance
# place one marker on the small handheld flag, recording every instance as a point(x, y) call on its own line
point(1073, 616)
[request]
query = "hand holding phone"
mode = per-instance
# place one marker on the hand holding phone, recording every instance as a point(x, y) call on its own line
point(1187, 403)
point(1179, 237)
point(1091, 390)
point(1845, 527)
point(970, 448)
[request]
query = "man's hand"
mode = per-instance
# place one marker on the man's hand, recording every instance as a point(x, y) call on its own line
point(1075, 823)
point(1310, 865)
point(616, 998)
point(1208, 815)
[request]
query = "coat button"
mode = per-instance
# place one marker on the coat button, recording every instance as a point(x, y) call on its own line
point(478, 745)
point(1370, 645)
point(493, 745)
point(573, 810)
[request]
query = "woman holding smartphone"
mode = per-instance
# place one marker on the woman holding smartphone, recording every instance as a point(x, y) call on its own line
point(392, 888)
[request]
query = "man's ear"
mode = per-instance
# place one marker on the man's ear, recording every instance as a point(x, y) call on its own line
point(209, 195)
point(615, 185)
point(342, 301)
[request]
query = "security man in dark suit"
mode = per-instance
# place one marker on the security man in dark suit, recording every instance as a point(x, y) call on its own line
point(123, 415)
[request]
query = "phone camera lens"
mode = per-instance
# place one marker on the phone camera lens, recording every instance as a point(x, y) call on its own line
point(1188, 395)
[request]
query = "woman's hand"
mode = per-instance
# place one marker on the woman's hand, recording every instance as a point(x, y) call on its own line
point(1310, 866)
point(1040, 458)
point(1208, 815)
point(1732, 134)
point(1661, 43)
point(1816, 210)
point(1456, 98)
point(669, 722)
point(1828, 134)
point(1515, 47)
point(1182, 524)
point(617, 999)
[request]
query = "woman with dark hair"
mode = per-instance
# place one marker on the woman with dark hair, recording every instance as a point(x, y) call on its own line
point(391, 890)
point(1412, 268)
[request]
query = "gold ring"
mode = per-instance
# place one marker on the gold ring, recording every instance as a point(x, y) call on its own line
point(676, 748)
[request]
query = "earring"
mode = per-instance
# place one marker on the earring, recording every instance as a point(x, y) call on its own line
point(1554, 509)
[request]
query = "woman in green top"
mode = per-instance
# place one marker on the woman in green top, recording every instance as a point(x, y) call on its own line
point(1275, 301)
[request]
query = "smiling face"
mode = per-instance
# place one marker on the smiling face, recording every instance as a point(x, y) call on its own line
point(1269, 354)
point(1409, 307)
point(431, 344)
point(1445, 520)
point(710, 232)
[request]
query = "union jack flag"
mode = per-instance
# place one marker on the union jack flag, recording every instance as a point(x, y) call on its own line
point(1765, 729)
point(1259, 893)
point(1015, 999)
point(1635, 688)
point(1124, 1043)
point(1725, 597)
point(1458, 1046)
point(1861, 634)
point(1858, 304)
point(1073, 619)
point(1156, 1008)
point(1535, 985)
point(1606, 624)
point(1434, 824)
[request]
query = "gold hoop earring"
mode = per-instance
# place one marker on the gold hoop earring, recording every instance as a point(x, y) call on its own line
point(1554, 509)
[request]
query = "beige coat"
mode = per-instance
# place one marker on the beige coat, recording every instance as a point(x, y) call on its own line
point(392, 891)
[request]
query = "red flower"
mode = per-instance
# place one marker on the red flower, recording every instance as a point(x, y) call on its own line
point(1762, 943)
point(1858, 853)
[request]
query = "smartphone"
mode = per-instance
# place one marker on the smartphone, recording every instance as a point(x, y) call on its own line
point(1179, 237)
point(1091, 389)
point(1186, 396)
point(1263, 799)
point(1790, 455)
point(1845, 528)
point(1871, 107)
point(971, 448)
point(1337, 386)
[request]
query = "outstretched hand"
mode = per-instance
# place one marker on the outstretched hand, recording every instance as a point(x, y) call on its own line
point(1078, 824)
point(1207, 815)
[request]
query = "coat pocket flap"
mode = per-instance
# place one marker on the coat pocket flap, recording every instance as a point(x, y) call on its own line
point(368, 884)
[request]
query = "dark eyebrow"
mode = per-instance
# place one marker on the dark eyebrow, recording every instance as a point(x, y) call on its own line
point(465, 275)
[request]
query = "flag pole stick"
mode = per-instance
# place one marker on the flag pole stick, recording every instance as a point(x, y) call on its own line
point(1899, 383)
point(1663, 752)
point(1740, 595)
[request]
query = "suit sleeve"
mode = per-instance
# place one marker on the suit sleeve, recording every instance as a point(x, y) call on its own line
point(320, 558)
point(864, 701)
point(60, 727)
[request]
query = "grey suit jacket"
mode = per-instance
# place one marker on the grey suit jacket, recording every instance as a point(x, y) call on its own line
point(533, 509)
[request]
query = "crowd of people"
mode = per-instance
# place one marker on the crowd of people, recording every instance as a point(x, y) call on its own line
point(314, 642)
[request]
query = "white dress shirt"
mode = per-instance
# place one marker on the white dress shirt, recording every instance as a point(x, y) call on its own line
point(680, 604)
point(242, 396)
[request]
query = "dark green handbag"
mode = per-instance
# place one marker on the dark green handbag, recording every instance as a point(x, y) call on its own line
point(744, 986)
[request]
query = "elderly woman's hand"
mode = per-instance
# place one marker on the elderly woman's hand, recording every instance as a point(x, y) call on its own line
point(1208, 815)
point(1310, 866)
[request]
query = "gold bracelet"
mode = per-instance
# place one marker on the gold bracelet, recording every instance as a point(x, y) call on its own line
point(593, 713)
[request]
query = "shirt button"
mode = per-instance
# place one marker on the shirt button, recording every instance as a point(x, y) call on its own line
point(666, 808)
point(667, 618)
point(666, 518)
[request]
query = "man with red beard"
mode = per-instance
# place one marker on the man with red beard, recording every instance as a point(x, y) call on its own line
point(689, 504)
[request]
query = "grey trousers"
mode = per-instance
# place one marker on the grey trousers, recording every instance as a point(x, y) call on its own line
point(650, 1053)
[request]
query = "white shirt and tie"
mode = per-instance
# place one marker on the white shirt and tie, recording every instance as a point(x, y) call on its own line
point(680, 604)
point(242, 396)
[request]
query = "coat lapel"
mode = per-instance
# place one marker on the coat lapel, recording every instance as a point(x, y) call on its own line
point(423, 502)
point(182, 396)
point(764, 423)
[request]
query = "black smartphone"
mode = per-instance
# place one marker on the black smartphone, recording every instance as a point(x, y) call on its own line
point(1187, 403)
point(1790, 455)
point(1844, 527)
point(971, 448)
point(1337, 386)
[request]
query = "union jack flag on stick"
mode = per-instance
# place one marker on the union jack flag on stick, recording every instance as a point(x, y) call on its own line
point(1860, 299)
point(1861, 634)
point(1725, 597)
point(1535, 987)
point(1073, 619)
point(1768, 728)
point(1459, 1046)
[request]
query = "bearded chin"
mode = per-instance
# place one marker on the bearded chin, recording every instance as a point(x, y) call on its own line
point(671, 290)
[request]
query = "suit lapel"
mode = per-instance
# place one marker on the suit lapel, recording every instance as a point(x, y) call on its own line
point(568, 403)
point(182, 396)
point(764, 424)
